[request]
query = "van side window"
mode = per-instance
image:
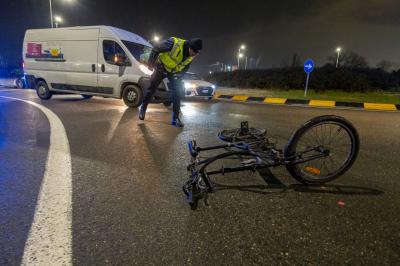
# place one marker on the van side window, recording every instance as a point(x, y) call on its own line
point(110, 49)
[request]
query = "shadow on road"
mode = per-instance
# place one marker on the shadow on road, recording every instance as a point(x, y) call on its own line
point(326, 189)
point(274, 185)
point(72, 99)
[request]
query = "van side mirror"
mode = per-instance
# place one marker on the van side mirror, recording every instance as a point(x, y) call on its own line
point(121, 60)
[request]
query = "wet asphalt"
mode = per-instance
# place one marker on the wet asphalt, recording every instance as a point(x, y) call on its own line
point(129, 209)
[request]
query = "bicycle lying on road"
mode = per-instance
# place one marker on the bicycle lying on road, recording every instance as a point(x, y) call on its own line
point(320, 151)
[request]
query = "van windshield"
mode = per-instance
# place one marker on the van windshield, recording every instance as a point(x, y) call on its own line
point(139, 51)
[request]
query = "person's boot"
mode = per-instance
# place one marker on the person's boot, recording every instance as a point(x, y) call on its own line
point(176, 121)
point(142, 112)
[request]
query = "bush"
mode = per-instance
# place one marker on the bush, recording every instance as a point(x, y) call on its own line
point(324, 78)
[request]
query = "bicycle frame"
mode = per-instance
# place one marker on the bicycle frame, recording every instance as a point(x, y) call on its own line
point(255, 151)
point(258, 159)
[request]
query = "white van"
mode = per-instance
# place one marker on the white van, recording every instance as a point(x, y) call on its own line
point(97, 60)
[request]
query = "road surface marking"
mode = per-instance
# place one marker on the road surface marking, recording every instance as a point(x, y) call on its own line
point(241, 98)
point(275, 100)
point(50, 237)
point(322, 103)
point(382, 106)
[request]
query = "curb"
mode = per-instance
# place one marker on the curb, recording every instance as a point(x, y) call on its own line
point(313, 103)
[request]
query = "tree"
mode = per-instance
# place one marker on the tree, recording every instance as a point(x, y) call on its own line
point(349, 59)
point(352, 59)
point(386, 65)
point(293, 62)
point(296, 60)
point(285, 62)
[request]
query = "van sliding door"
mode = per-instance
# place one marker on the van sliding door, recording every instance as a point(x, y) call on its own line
point(80, 66)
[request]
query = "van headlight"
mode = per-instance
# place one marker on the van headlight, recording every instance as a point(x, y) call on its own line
point(213, 86)
point(145, 70)
point(189, 85)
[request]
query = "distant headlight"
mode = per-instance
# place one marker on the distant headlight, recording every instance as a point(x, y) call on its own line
point(145, 70)
point(213, 86)
point(190, 85)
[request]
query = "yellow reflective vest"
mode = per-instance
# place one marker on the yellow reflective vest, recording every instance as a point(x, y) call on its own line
point(173, 60)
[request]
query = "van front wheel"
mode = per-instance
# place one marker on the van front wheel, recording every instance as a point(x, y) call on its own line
point(132, 96)
point(43, 91)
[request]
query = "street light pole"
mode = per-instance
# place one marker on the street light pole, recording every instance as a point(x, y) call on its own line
point(338, 50)
point(51, 14)
point(58, 20)
point(238, 56)
point(242, 47)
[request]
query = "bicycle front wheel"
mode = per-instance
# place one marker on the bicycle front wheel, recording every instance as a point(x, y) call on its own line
point(332, 140)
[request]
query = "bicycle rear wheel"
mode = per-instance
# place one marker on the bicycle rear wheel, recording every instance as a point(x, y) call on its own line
point(331, 136)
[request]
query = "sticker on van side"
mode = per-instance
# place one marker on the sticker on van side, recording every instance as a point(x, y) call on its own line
point(44, 53)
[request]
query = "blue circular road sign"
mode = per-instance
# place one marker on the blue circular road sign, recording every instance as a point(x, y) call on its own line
point(309, 66)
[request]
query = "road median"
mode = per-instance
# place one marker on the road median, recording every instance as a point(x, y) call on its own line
point(368, 101)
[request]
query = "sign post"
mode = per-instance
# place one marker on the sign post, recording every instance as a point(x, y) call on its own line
point(308, 68)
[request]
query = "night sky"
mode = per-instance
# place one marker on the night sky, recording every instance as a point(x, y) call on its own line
point(272, 30)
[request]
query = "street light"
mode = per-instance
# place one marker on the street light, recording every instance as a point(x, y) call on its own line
point(240, 55)
point(58, 20)
point(156, 38)
point(51, 11)
point(338, 50)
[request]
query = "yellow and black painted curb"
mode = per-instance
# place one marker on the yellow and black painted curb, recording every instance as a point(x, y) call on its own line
point(315, 103)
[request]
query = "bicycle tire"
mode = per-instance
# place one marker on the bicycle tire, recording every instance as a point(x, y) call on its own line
point(314, 177)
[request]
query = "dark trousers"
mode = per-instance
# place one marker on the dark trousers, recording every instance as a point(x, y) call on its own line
point(175, 84)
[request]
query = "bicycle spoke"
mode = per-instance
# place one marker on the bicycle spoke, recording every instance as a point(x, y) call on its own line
point(316, 136)
point(332, 137)
point(332, 162)
point(338, 132)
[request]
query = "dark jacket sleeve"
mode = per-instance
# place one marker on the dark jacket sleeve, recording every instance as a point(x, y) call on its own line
point(162, 47)
point(186, 69)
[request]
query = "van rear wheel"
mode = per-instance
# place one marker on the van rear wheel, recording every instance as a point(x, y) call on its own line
point(43, 91)
point(132, 96)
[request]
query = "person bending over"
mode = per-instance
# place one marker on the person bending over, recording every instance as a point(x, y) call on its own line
point(171, 59)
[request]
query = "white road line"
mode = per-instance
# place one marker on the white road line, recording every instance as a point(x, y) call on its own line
point(50, 237)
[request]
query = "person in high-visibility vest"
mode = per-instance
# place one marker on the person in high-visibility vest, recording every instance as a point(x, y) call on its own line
point(171, 58)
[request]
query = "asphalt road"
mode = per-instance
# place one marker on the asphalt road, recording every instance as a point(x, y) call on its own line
point(128, 207)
